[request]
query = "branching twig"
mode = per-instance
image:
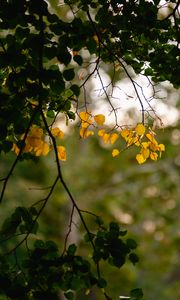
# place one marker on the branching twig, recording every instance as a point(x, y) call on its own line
point(36, 218)
point(111, 54)
point(69, 230)
point(61, 178)
point(173, 12)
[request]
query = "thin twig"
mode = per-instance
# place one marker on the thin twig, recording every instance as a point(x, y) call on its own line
point(36, 218)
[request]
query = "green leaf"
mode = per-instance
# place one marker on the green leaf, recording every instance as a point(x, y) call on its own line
point(51, 114)
point(131, 243)
point(67, 105)
point(122, 232)
point(33, 211)
point(10, 225)
point(69, 74)
point(133, 258)
point(72, 249)
point(64, 57)
point(39, 244)
point(51, 245)
point(113, 226)
point(26, 216)
point(71, 115)
point(78, 59)
point(118, 261)
point(75, 89)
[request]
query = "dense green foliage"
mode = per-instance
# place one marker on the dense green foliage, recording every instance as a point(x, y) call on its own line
point(42, 53)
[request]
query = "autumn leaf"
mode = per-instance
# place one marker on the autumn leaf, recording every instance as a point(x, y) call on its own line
point(115, 152)
point(145, 152)
point(56, 132)
point(15, 148)
point(113, 138)
point(99, 119)
point(161, 147)
point(106, 137)
point(151, 137)
point(85, 115)
point(127, 134)
point(36, 132)
point(140, 129)
point(153, 155)
point(43, 149)
point(145, 145)
point(101, 132)
point(84, 133)
point(61, 150)
point(140, 158)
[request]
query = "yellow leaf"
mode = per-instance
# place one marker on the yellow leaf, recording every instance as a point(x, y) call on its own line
point(154, 146)
point(101, 132)
point(150, 137)
point(153, 155)
point(113, 138)
point(99, 119)
point(15, 149)
point(145, 145)
point(84, 133)
point(132, 140)
point(61, 152)
point(56, 132)
point(85, 115)
point(34, 141)
point(145, 152)
point(161, 147)
point(89, 133)
point(137, 143)
point(106, 137)
point(45, 149)
point(140, 158)
point(36, 132)
point(125, 133)
point(86, 124)
point(115, 152)
point(140, 129)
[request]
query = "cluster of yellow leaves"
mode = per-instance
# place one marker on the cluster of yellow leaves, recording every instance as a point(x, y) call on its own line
point(149, 147)
point(110, 138)
point(35, 143)
point(87, 120)
point(146, 141)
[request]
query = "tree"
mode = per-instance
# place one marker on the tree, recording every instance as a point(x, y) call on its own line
point(48, 58)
